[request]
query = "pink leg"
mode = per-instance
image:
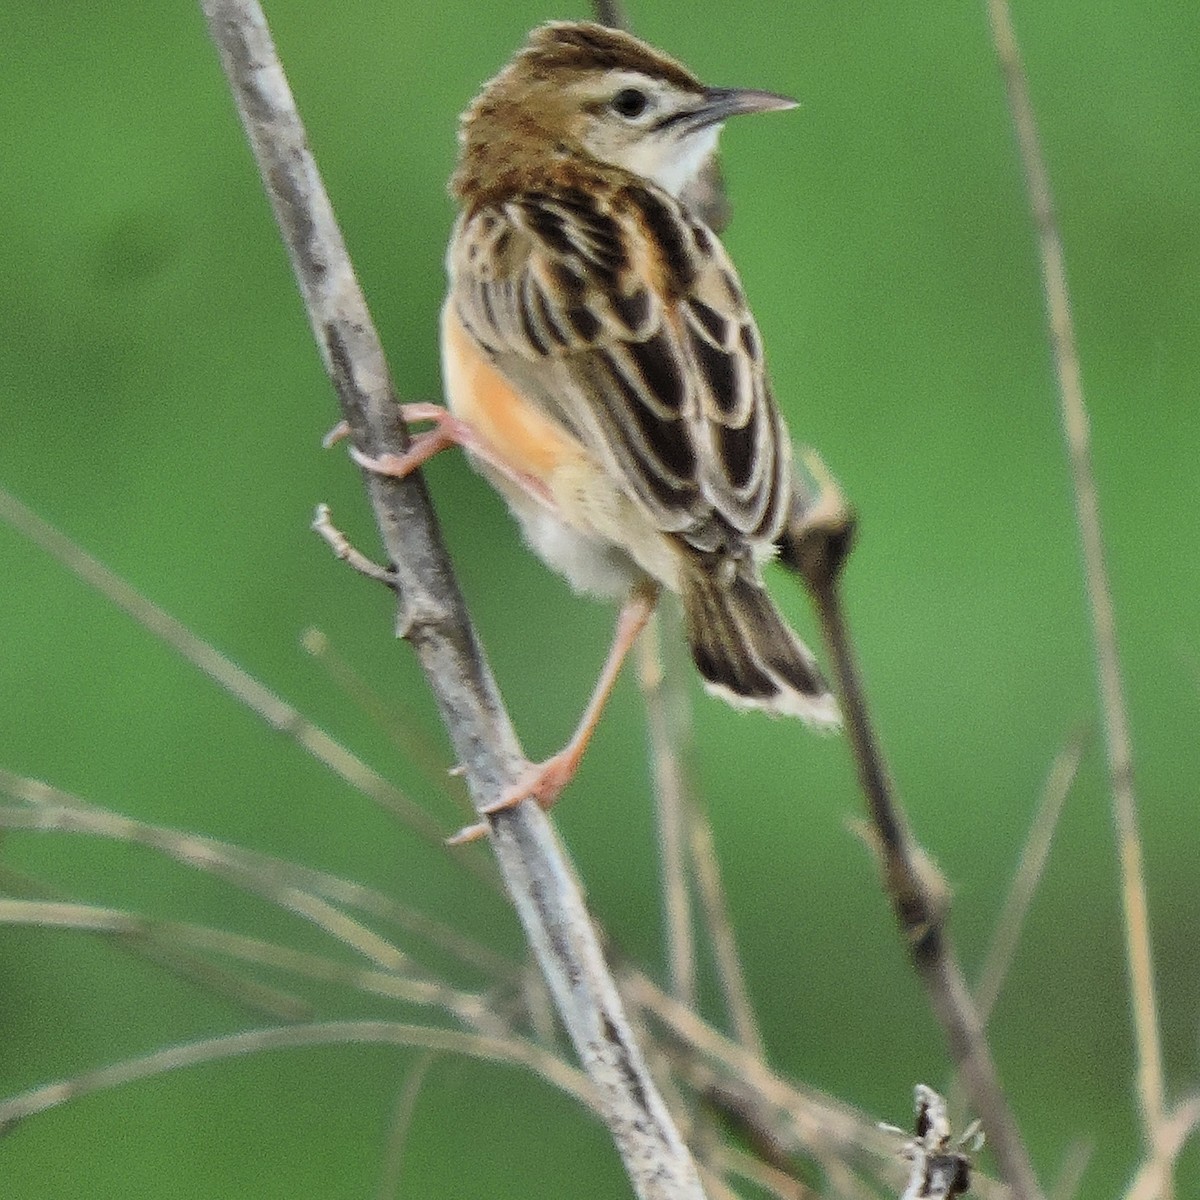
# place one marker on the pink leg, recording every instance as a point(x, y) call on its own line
point(448, 430)
point(545, 781)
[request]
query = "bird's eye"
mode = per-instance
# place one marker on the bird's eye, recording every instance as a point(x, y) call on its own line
point(630, 103)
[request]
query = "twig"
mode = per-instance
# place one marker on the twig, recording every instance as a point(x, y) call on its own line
point(271, 708)
point(669, 806)
point(150, 942)
point(1029, 871)
point(1030, 866)
point(431, 612)
point(717, 921)
point(668, 718)
point(816, 1122)
point(1119, 745)
point(780, 1138)
point(732, 1161)
point(816, 547)
point(1071, 1171)
point(780, 1118)
point(715, 1185)
point(273, 878)
point(1154, 1176)
point(344, 549)
point(402, 1117)
point(469, 1009)
point(402, 730)
point(228, 863)
point(341, 1033)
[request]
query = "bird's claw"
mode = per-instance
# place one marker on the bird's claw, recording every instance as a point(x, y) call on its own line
point(543, 782)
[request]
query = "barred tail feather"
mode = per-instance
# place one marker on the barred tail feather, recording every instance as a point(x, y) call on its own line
point(746, 653)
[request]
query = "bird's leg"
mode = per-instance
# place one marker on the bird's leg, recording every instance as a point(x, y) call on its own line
point(448, 430)
point(545, 781)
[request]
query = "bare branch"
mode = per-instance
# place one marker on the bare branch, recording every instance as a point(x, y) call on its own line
point(1071, 1171)
point(611, 13)
point(406, 1104)
point(1154, 1178)
point(1027, 876)
point(471, 1010)
point(816, 547)
point(56, 810)
point(726, 956)
point(774, 1182)
point(240, 684)
point(340, 1033)
point(431, 612)
point(1119, 744)
point(342, 548)
point(670, 809)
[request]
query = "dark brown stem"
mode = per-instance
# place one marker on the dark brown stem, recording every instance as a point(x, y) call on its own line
point(611, 13)
point(816, 548)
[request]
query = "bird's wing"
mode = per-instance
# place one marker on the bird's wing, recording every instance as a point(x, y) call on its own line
point(624, 319)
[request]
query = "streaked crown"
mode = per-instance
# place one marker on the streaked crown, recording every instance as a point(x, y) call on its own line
point(579, 93)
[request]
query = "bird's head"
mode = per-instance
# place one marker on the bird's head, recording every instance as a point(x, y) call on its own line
point(582, 91)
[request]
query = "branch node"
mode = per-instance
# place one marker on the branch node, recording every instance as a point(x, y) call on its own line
point(917, 889)
point(820, 531)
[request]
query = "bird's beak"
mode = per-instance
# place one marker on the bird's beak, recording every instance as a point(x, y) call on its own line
point(722, 103)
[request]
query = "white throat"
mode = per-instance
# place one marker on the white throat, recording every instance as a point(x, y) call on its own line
point(676, 168)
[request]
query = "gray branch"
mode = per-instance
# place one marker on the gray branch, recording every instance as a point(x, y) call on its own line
point(432, 616)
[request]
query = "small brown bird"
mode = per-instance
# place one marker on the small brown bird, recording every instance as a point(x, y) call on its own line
point(603, 369)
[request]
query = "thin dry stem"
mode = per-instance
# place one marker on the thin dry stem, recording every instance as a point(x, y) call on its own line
point(346, 551)
point(227, 863)
point(418, 749)
point(715, 1185)
point(730, 1160)
point(149, 942)
point(242, 686)
point(1151, 1083)
point(1030, 868)
point(719, 926)
point(402, 1118)
point(1071, 1172)
point(1174, 1133)
point(468, 1008)
point(809, 1121)
point(669, 721)
point(669, 808)
point(342, 1033)
point(432, 615)
point(816, 546)
point(54, 810)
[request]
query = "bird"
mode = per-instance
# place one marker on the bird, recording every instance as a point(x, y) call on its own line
point(603, 369)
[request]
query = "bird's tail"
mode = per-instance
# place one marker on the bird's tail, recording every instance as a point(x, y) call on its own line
point(746, 652)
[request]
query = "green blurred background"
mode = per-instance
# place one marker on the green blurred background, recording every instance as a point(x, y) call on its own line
point(162, 403)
